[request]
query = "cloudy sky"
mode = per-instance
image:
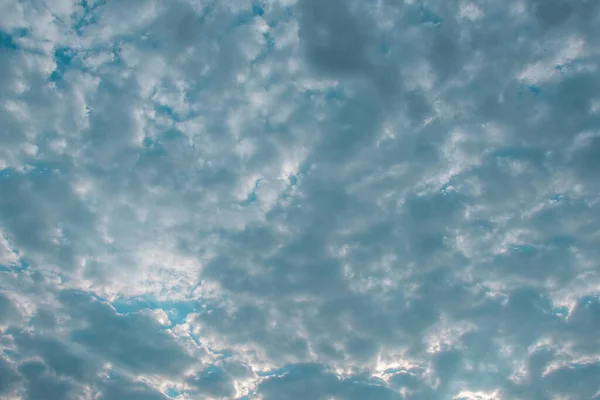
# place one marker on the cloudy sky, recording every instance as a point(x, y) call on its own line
point(299, 199)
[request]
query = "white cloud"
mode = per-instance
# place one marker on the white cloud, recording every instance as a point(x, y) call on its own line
point(299, 199)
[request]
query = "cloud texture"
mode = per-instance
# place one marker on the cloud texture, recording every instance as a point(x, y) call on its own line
point(299, 199)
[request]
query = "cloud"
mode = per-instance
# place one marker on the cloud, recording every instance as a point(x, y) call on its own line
point(312, 381)
point(283, 199)
point(8, 377)
point(118, 388)
point(117, 338)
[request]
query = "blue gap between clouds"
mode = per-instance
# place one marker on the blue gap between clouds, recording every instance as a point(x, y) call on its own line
point(7, 40)
point(44, 167)
point(22, 266)
point(177, 311)
point(584, 301)
point(420, 14)
point(257, 10)
point(166, 110)
point(153, 147)
point(534, 89)
point(523, 153)
point(524, 250)
point(172, 393)
point(252, 198)
point(557, 198)
point(63, 57)
point(33, 167)
point(275, 372)
point(429, 17)
point(88, 17)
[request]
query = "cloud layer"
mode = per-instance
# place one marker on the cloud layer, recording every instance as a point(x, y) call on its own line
point(299, 199)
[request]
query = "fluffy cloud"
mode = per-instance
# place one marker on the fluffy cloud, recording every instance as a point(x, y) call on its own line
point(287, 199)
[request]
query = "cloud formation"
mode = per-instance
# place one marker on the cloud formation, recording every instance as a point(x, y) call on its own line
point(289, 199)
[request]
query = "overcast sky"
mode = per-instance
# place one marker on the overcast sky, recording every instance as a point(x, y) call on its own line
point(299, 199)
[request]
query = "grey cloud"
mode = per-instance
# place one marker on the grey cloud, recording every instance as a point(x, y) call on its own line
point(134, 341)
point(8, 377)
point(57, 356)
point(42, 384)
point(334, 38)
point(8, 311)
point(312, 381)
point(577, 381)
point(121, 388)
point(213, 381)
point(341, 40)
point(552, 13)
point(556, 13)
point(44, 190)
point(404, 186)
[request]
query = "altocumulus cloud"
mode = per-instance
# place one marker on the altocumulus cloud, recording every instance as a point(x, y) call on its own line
point(299, 199)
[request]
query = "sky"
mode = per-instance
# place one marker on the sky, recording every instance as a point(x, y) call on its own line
point(299, 199)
